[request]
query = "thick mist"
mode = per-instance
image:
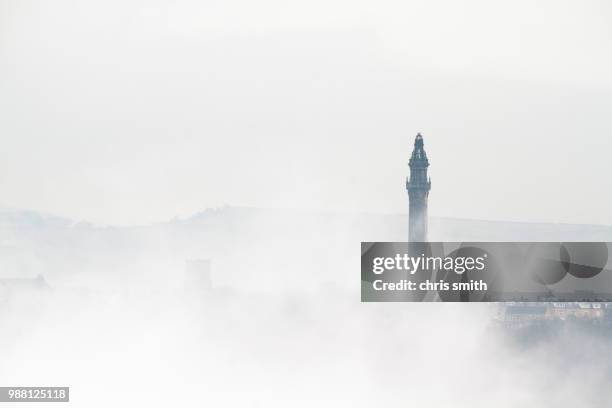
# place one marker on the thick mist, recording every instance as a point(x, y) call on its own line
point(293, 124)
point(282, 324)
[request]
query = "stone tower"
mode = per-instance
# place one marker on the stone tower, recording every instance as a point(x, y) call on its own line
point(418, 186)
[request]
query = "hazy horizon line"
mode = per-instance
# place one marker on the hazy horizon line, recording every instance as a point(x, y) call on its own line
point(312, 211)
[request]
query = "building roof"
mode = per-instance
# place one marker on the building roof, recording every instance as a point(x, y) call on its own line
point(526, 310)
point(37, 283)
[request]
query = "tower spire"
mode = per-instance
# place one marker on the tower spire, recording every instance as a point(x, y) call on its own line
point(418, 186)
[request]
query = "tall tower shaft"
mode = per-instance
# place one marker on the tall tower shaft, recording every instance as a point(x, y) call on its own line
point(418, 186)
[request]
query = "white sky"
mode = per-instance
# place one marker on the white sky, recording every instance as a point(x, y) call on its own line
point(127, 112)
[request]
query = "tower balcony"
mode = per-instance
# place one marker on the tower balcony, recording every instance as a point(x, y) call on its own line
point(418, 185)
